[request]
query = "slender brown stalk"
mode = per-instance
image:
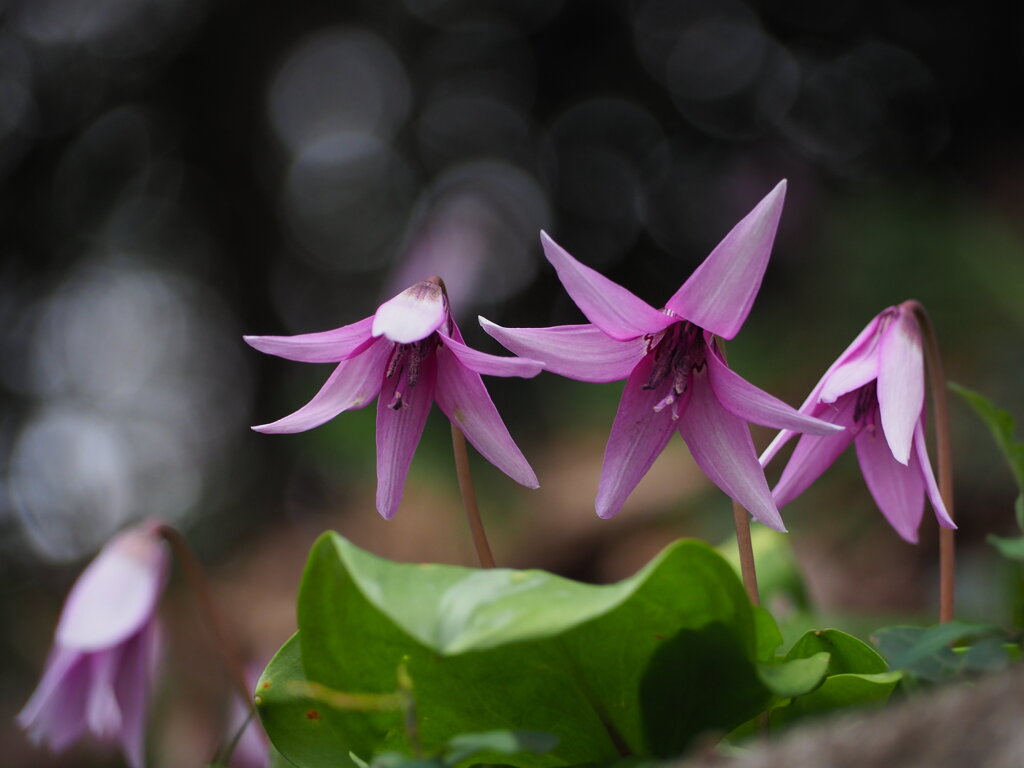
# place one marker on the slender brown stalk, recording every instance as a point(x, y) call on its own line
point(944, 456)
point(193, 572)
point(746, 549)
point(476, 526)
point(741, 519)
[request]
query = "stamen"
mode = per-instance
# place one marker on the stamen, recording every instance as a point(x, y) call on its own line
point(396, 360)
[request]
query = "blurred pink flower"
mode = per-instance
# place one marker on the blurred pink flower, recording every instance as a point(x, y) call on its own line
point(676, 377)
point(410, 353)
point(876, 390)
point(98, 674)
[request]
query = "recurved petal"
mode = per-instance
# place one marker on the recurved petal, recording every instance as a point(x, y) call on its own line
point(399, 431)
point(117, 593)
point(413, 314)
point(462, 397)
point(492, 365)
point(814, 453)
point(743, 399)
point(898, 490)
point(616, 311)
point(719, 294)
point(639, 435)
point(921, 455)
point(901, 382)
point(102, 712)
point(720, 443)
point(354, 384)
point(581, 352)
point(324, 347)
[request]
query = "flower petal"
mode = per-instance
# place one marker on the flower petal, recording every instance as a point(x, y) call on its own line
point(721, 445)
point(858, 365)
point(639, 434)
point(413, 314)
point(921, 454)
point(743, 399)
point(615, 310)
point(117, 593)
point(492, 365)
point(813, 453)
point(102, 712)
point(898, 490)
point(132, 689)
point(719, 294)
point(582, 352)
point(399, 431)
point(901, 382)
point(56, 711)
point(324, 347)
point(462, 397)
point(354, 384)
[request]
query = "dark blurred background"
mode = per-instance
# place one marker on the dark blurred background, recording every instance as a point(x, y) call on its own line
point(174, 173)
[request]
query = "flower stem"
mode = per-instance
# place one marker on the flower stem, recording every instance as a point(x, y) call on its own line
point(476, 526)
point(944, 456)
point(741, 519)
point(746, 550)
point(193, 572)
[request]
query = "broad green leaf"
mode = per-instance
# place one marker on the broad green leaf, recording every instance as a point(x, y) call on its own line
point(303, 729)
point(847, 653)
point(768, 635)
point(842, 691)
point(795, 677)
point(641, 666)
point(927, 652)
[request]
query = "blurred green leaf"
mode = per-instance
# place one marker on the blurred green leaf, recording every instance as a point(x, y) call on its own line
point(467, 745)
point(847, 654)
point(927, 652)
point(794, 677)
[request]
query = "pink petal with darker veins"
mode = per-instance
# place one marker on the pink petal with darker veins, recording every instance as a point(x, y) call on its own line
point(492, 365)
point(721, 445)
point(399, 431)
point(354, 384)
point(462, 397)
point(581, 352)
point(815, 453)
point(609, 306)
point(921, 454)
point(324, 347)
point(898, 490)
point(117, 593)
point(743, 399)
point(639, 434)
point(718, 296)
point(413, 314)
point(901, 383)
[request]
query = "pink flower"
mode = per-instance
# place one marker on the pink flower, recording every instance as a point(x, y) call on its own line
point(98, 673)
point(410, 353)
point(677, 380)
point(876, 390)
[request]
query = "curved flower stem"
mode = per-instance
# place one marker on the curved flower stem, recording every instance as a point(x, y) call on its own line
point(944, 456)
point(476, 526)
point(741, 520)
point(193, 572)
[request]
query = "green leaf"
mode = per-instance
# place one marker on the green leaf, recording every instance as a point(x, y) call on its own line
point(795, 677)
point(302, 729)
point(1010, 548)
point(768, 635)
point(466, 745)
point(1001, 425)
point(927, 653)
point(847, 654)
point(641, 666)
point(842, 691)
